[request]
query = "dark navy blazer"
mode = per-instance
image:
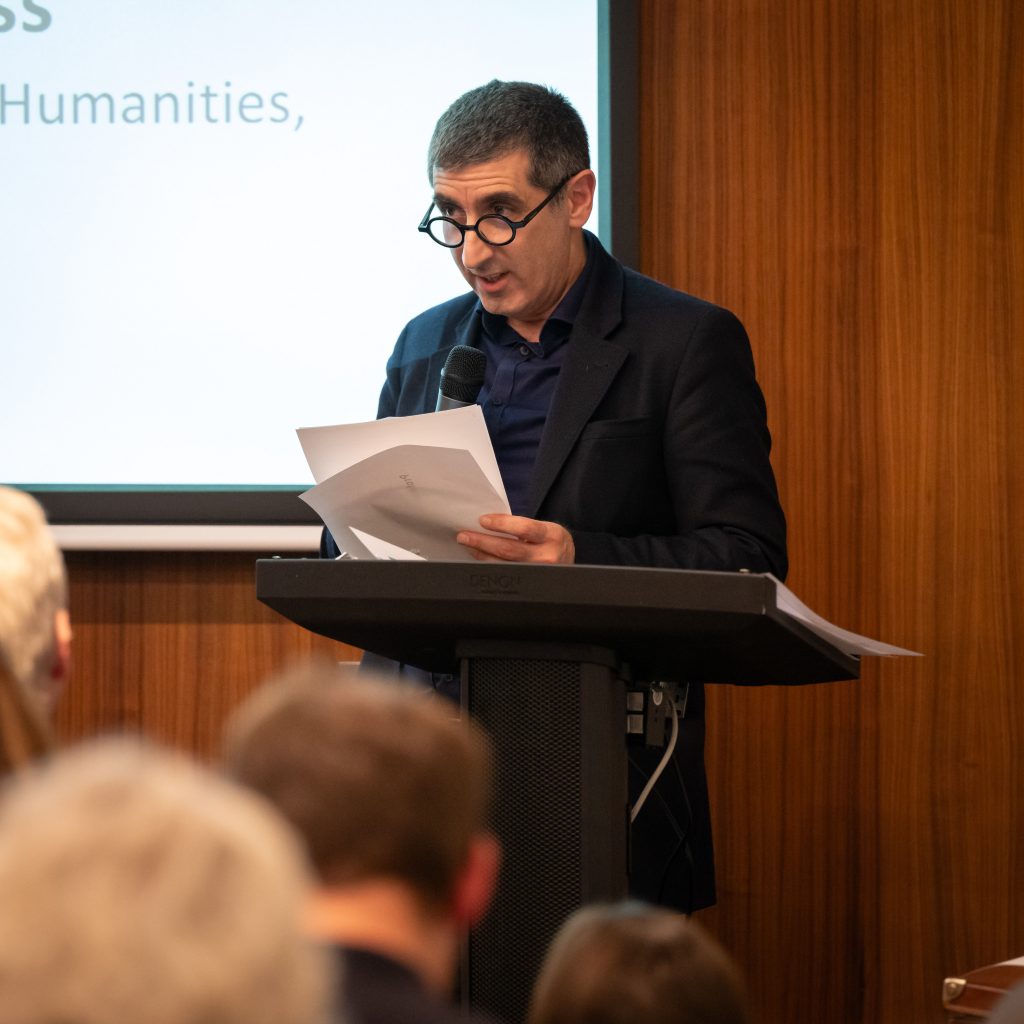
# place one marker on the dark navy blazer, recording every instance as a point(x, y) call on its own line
point(655, 450)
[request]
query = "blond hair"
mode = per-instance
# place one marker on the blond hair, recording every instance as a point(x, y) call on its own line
point(630, 963)
point(137, 887)
point(33, 589)
point(25, 733)
point(381, 780)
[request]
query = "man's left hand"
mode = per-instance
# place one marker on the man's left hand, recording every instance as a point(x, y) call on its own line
point(530, 540)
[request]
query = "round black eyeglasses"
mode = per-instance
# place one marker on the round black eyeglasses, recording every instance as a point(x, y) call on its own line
point(494, 229)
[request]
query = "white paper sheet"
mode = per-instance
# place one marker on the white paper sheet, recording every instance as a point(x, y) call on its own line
point(850, 643)
point(402, 488)
point(329, 450)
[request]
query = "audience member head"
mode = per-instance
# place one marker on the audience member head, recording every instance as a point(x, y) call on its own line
point(496, 119)
point(1009, 1009)
point(391, 793)
point(35, 632)
point(137, 887)
point(382, 780)
point(24, 731)
point(631, 963)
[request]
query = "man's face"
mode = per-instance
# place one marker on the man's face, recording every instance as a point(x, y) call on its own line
point(526, 279)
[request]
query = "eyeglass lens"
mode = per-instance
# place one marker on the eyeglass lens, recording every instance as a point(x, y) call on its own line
point(493, 230)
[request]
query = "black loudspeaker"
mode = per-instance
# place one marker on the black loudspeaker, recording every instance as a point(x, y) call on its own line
point(556, 715)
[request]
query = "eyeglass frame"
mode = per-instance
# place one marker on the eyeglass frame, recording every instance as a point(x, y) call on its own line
point(514, 225)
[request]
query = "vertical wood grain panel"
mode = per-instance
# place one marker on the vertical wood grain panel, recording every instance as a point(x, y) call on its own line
point(845, 177)
point(950, 732)
point(167, 644)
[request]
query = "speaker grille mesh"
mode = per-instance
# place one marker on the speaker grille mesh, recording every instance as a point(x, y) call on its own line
point(533, 717)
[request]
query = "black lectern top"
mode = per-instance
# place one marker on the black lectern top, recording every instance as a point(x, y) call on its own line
point(665, 624)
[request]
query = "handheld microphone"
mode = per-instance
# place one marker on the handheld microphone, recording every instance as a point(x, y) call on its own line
point(461, 378)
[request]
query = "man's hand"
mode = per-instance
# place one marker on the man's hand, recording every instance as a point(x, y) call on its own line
point(530, 541)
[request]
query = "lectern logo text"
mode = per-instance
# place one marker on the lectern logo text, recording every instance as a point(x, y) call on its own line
point(495, 582)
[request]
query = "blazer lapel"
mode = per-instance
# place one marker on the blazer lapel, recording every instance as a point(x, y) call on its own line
point(591, 364)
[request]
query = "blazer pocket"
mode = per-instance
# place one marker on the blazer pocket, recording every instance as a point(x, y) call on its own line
point(602, 429)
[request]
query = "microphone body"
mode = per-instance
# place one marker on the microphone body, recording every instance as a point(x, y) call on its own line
point(461, 378)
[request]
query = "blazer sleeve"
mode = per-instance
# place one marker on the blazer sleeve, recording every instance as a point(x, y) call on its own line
point(714, 504)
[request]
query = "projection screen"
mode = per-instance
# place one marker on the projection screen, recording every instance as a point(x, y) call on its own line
point(208, 214)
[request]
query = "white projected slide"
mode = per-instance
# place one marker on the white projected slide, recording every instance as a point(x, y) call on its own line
point(208, 218)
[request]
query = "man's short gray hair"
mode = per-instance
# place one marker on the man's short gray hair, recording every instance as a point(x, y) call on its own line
point(137, 887)
point(33, 588)
point(500, 117)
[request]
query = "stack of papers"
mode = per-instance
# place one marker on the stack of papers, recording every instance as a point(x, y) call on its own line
point(403, 487)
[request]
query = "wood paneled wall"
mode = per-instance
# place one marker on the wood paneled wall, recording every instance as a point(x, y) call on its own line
point(846, 176)
point(167, 644)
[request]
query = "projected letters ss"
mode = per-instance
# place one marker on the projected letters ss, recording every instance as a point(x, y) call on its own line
point(9, 19)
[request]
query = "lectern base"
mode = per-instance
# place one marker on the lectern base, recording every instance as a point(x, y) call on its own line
point(556, 715)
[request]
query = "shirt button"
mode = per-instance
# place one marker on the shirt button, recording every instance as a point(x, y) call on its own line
point(523, 350)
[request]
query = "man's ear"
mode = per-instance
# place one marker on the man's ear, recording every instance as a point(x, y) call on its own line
point(580, 198)
point(475, 885)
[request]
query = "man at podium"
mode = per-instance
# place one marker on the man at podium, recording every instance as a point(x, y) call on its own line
point(626, 417)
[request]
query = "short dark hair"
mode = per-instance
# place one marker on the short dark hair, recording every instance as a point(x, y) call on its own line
point(379, 779)
point(630, 963)
point(497, 118)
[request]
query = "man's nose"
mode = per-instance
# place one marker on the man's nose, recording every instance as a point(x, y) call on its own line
point(475, 251)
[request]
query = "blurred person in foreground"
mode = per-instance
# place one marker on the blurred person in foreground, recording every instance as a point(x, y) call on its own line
point(138, 888)
point(25, 734)
point(391, 793)
point(35, 629)
point(631, 963)
point(1009, 1009)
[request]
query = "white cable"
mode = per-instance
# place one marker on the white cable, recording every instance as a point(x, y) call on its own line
point(663, 763)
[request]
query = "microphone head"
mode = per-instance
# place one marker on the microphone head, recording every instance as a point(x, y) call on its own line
point(463, 374)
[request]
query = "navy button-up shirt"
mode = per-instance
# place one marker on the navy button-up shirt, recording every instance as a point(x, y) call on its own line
point(519, 385)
